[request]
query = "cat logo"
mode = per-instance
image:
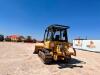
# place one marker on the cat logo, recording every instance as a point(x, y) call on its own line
point(79, 43)
point(91, 44)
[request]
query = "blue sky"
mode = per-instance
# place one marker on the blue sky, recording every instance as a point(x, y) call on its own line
point(31, 17)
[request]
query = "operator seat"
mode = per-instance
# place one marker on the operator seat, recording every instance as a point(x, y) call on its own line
point(57, 38)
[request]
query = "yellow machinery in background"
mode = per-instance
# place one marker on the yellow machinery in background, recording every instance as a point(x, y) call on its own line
point(55, 45)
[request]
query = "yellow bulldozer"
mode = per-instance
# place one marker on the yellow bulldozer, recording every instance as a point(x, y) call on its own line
point(55, 45)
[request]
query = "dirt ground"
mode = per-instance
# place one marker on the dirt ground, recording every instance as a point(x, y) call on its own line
point(18, 59)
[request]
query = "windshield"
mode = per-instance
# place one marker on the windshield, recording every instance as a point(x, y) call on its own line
point(57, 35)
point(60, 35)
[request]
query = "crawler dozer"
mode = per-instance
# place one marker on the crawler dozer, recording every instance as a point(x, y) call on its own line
point(55, 45)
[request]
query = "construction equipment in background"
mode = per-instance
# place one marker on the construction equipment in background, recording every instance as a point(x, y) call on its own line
point(34, 40)
point(12, 38)
point(28, 39)
point(55, 45)
point(21, 39)
point(8, 39)
point(1, 37)
point(17, 38)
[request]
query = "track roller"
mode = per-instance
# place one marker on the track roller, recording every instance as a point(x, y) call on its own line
point(45, 56)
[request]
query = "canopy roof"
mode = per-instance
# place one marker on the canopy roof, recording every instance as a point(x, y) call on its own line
point(57, 27)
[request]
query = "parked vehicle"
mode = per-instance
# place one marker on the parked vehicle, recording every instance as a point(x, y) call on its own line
point(21, 39)
point(28, 39)
point(1, 37)
point(8, 39)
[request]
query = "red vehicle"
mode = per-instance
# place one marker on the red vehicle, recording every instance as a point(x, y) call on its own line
point(12, 38)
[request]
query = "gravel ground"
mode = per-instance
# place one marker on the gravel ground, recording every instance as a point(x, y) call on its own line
point(18, 59)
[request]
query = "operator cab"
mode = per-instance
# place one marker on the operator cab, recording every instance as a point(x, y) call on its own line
point(56, 32)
